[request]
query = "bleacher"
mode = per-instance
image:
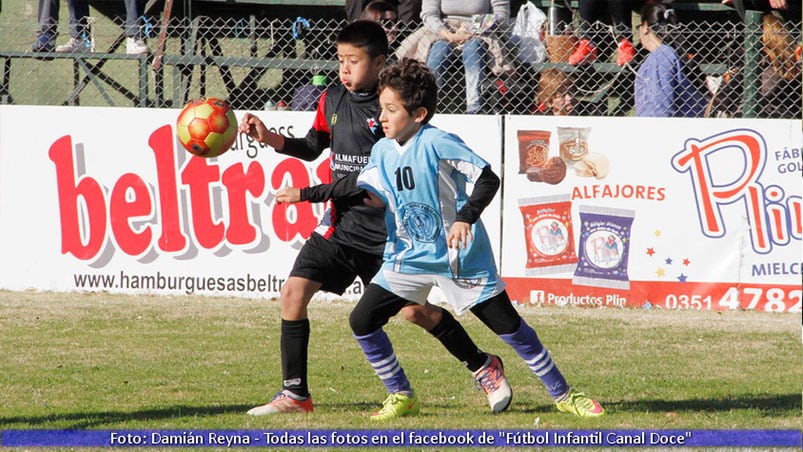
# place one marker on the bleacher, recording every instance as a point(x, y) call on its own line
point(217, 47)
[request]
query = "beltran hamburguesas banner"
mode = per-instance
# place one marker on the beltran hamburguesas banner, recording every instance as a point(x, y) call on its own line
point(104, 199)
point(673, 213)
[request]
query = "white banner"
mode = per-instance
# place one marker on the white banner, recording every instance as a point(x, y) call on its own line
point(678, 213)
point(675, 213)
point(104, 199)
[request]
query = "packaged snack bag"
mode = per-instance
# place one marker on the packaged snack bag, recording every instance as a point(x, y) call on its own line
point(548, 234)
point(573, 143)
point(604, 247)
point(533, 148)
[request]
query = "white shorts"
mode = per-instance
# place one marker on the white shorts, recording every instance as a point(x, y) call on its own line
point(461, 293)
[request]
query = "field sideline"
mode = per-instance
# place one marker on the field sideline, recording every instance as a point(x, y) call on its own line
point(101, 361)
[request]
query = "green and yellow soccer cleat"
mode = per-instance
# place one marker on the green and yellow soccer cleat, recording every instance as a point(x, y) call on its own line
point(396, 405)
point(580, 405)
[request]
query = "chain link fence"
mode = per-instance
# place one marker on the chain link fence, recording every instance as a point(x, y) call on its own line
point(740, 69)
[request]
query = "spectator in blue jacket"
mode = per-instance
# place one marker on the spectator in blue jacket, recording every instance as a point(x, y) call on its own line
point(663, 86)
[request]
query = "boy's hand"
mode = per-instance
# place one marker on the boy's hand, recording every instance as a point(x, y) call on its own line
point(459, 235)
point(288, 195)
point(255, 128)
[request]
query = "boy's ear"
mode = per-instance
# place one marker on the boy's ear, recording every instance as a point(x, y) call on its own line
point(380, 61)
point(420, 113)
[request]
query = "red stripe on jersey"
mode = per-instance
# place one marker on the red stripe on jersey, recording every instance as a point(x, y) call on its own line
point(326, 227)
point(320, 123)
point(324, 172)
point(329, 231)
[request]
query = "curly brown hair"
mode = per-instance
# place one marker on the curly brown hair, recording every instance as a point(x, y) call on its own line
point(779, 45)
point(414, 83)
point(552, 83)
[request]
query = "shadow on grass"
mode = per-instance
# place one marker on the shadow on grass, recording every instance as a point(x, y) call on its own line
point(775, 405)
point(85, 420)
point(781, 405)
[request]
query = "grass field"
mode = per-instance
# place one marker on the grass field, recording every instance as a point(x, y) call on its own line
point(100, 361)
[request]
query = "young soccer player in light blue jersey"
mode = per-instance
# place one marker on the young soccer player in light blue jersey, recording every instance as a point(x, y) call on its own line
point(436, 238)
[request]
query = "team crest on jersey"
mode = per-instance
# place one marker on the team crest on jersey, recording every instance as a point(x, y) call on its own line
point(373, 125)
point(422, 222)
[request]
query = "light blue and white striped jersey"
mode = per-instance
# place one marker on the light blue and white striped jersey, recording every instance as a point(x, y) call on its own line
point(423, 184)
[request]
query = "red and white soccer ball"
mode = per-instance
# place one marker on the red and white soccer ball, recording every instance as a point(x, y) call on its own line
point(206, 127)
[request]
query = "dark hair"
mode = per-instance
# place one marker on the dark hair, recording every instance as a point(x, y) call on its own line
point(376, 9)
point(414, 83)
point(658, 15)
point(367, 35)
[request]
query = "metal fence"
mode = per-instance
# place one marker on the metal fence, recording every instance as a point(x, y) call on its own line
point(264, 63)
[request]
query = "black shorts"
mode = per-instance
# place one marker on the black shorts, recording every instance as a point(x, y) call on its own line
point(334, 265)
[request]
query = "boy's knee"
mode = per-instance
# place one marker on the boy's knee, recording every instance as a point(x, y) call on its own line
point(294, 297)
point(358, 324)
point(374, 309)
point(290, 292)
point(363, 320)
point(426, 316)
point(498, 314)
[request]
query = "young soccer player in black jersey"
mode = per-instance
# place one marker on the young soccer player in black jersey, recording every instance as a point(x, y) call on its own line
point(350, 239)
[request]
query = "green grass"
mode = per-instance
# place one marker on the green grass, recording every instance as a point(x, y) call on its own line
point(101, 361)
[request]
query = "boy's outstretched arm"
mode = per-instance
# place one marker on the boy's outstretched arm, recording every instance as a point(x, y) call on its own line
point(318, 137)
point(345, 187)
point(255, 128)
point(308, 148)
point(288, 195)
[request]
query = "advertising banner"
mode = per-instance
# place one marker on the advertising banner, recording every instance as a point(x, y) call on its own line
point(105, 199)
point(643, 212)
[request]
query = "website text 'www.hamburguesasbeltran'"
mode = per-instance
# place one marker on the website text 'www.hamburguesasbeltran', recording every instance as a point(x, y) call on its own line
point(185, 283)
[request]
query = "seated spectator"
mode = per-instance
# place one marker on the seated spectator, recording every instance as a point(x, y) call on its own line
point(780, 80)
point(779, 87)
point(80, 35)
point(407, 11)
point(80, 38)
point(384, 13)
point(663, 87)
point(554, 93)
point(451, 20)
point(134, 39)
point(615, 12)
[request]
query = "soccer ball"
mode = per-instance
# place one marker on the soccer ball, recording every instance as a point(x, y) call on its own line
point(206, 127)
